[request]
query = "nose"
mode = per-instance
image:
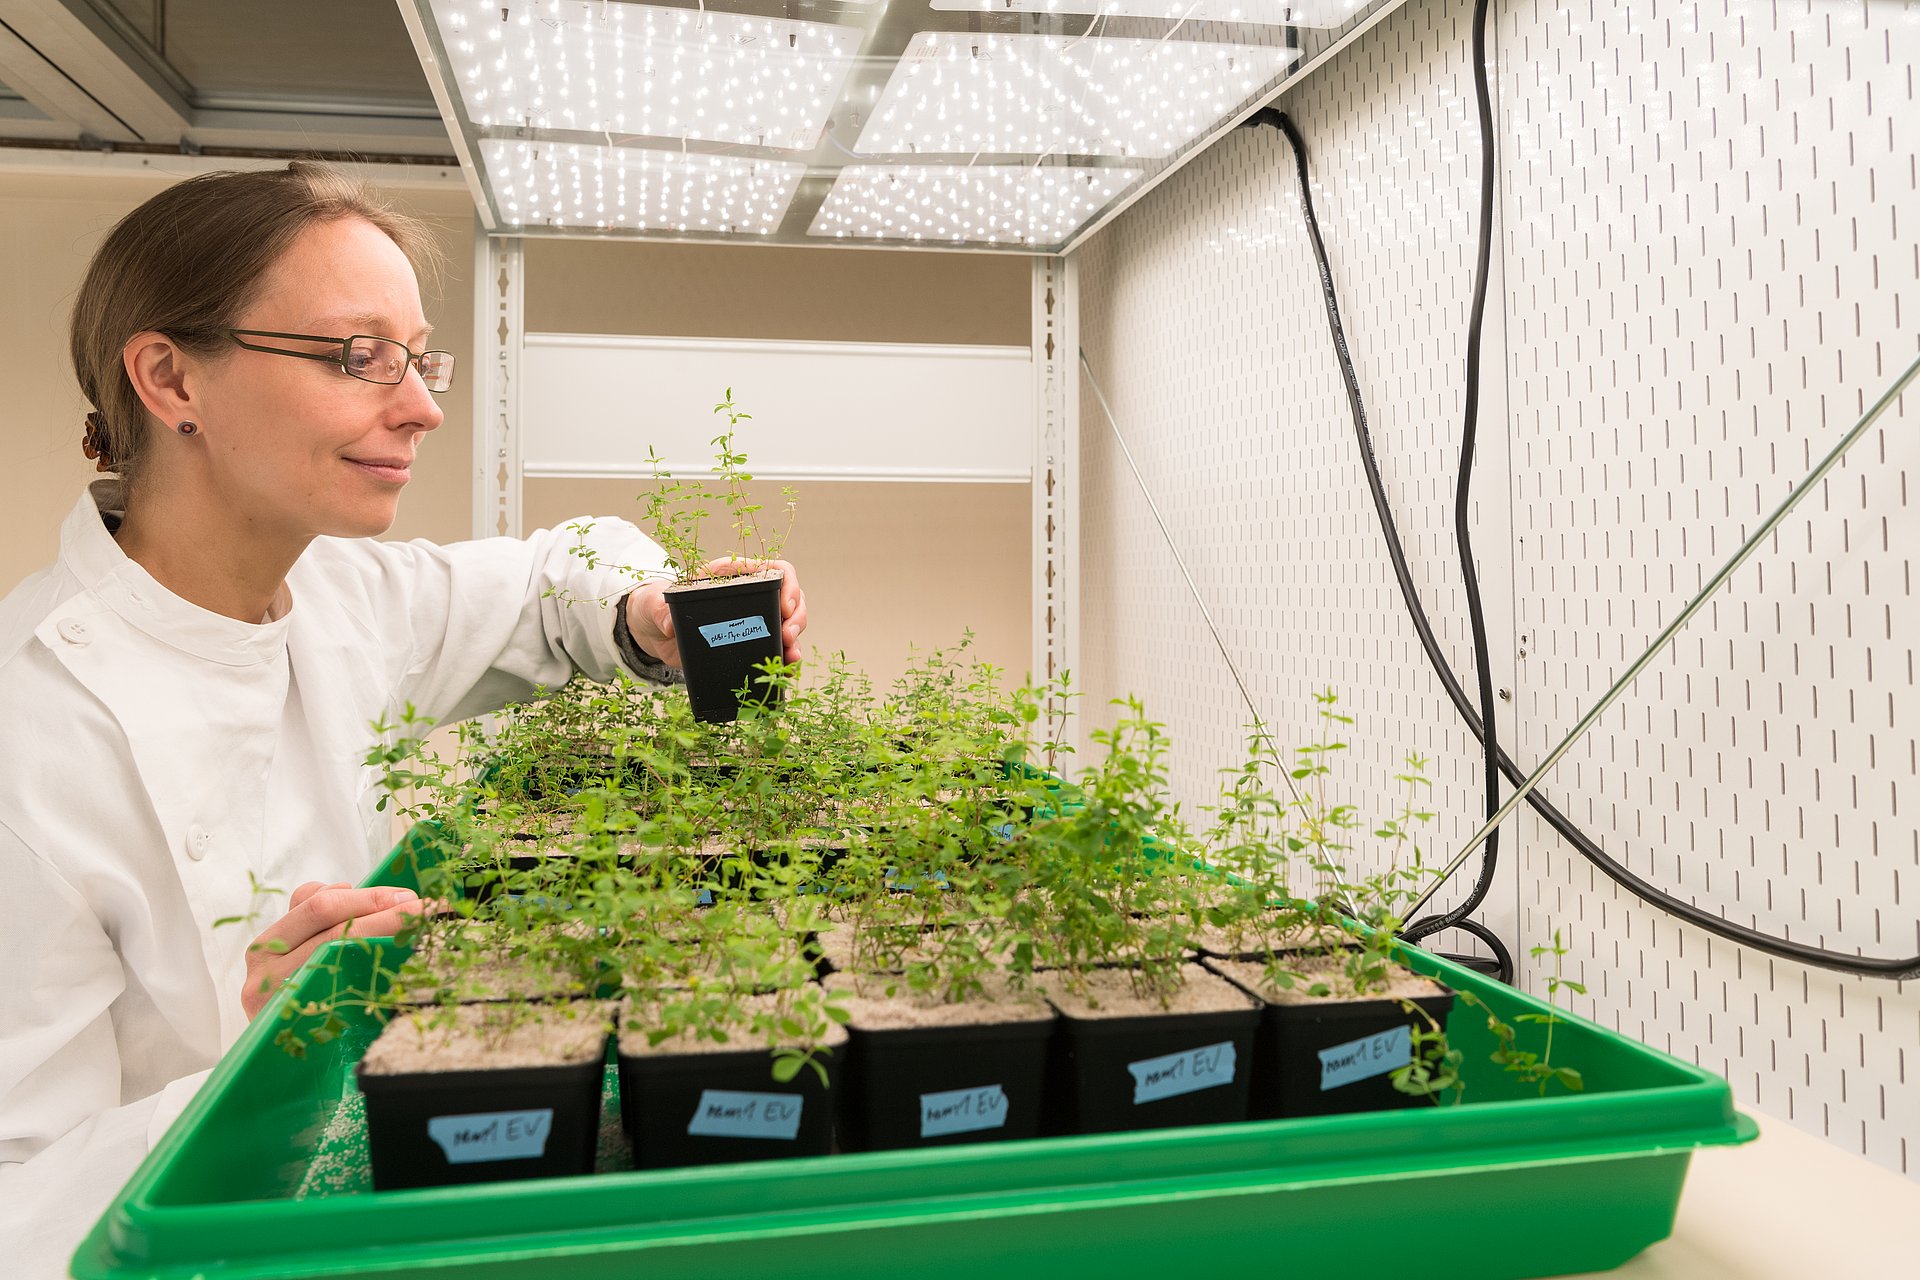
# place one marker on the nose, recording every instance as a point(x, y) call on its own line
point(422, 406)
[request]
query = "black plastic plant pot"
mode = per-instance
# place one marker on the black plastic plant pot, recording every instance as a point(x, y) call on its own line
point(1332, 1056)
point(447, 1128)
point(1108, 1075)
point(939, 1086)
point(726, 628)
point(717, 1108)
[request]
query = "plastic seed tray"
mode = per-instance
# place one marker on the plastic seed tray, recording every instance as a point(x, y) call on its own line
point(264, 1175)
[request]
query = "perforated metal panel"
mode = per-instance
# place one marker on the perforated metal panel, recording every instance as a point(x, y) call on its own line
point(1702, 275)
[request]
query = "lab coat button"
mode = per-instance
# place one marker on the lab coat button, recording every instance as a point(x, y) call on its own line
point(199, 841)
point(74, 631)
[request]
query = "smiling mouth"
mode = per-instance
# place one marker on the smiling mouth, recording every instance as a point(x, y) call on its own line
point(398, 472)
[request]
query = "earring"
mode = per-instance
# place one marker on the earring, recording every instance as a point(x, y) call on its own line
point(187, 428)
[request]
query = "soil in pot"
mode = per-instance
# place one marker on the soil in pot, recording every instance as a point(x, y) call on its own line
point(922, 1072)
point(478, 961)
point(871, 946)
point(1258, 938)
point(1332, 1054)
point(727, 627)
point(1123, 1061)
point(484, 1093)
point(690, 1102)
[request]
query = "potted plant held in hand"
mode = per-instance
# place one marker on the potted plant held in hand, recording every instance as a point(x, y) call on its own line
point(727, 621)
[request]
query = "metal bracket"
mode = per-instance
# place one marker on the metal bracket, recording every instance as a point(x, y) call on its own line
point(1056, 476)
point(498, 310)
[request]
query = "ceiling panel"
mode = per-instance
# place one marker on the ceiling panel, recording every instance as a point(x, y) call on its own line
point(349, 50)
point(144, 18)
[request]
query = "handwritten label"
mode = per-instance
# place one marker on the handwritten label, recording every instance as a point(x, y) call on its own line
point(721, 634)
point(962, 1111)
point(1208, 1067)
point(724, 1113)
point(1365, 1058)
point(492, 1135)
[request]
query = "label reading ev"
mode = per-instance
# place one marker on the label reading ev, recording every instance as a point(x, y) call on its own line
point(962, 1111)
point(1207, 1067)
point(725, 1113)
point(1365, 1058)
point(721, 634)
point(492, 1135)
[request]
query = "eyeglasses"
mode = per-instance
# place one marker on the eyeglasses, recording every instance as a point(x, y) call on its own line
point(362, 356)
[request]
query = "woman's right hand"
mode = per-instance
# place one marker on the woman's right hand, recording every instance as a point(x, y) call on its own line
point(320, 913)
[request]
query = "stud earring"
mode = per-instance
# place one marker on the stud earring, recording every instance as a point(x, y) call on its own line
point(187, 428)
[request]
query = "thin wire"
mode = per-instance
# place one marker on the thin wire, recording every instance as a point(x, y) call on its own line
point(1192, 587)
point(1098, 18)
point(1640, 664)
point(1182, 22)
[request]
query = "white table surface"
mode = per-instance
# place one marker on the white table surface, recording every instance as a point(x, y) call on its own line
point(1787, 1206)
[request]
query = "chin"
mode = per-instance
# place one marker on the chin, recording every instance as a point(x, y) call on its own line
point(368, 522)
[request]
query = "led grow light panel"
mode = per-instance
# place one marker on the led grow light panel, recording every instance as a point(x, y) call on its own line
point(644, 70)
point(1041, 94)
point(544, 184)
point(988, 204)
point(1278, 13)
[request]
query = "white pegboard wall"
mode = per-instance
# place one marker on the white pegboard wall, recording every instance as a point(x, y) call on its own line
point(1702, 208)
point(1703, 275)
point(1201, 313)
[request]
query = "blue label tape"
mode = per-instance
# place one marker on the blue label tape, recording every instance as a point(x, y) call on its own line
point(1365, 1058)
point(962, 1111)
point(721, 634)
point(724, 1113)
point(1207, 1067)
point(492, 1135)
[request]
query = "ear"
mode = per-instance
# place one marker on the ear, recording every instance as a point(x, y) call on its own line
point(158, 370)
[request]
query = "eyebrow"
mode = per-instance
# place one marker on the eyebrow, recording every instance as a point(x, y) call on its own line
point(371, 324)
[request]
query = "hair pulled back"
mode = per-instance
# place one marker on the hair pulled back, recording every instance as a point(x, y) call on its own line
point(188, 263)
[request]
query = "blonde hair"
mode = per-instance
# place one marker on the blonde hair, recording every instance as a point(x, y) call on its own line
point(187, 263)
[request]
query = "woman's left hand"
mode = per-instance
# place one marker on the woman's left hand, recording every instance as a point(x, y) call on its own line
point(651, 622)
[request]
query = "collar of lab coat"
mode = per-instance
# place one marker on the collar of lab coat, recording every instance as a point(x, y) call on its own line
point(121, 585)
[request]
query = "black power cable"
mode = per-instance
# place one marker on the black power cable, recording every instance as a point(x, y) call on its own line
point(1490, 851)
point(1895, 969)
point(1463, 488)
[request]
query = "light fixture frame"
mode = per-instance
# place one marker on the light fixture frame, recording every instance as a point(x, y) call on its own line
point(887, 29)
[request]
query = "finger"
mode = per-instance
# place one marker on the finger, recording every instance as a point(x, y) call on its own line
point(380, 924)
point(304, 892)
point(661, 615)
point(331, 906)
point(665, 644)
point(728, 566)
point(792, 598)
point(385, 924)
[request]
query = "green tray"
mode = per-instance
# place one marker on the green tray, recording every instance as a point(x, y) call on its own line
point(1510, 1185)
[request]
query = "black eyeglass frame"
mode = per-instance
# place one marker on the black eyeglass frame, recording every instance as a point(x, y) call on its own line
point(346, 347)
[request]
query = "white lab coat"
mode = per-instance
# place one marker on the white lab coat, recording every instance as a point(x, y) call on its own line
point(157, 761)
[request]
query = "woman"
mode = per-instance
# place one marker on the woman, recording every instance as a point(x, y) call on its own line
point(186, 695)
